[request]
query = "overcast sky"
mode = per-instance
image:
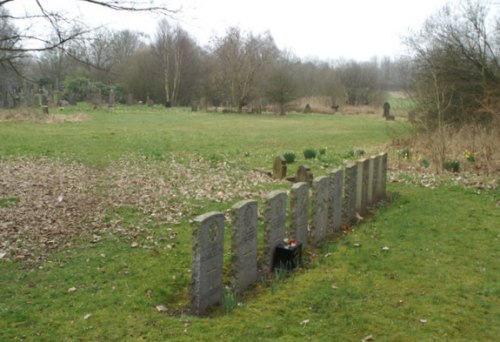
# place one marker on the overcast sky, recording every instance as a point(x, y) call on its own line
point(322, 29)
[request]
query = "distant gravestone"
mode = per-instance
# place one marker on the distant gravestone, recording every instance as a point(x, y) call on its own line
point(299, 206)
point(335, 201)
point(274, 225)
point(207, 261)
point(387, 109)
point(279, 168)
point(304, 174)
point(45, 104)
point(307, 108)
point(244, 244)
point(130, 99)
point(111, 100)
point(320, 192)
point(349, 205)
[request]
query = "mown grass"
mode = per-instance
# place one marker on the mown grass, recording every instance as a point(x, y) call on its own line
point(439, 280)
point(252, 140)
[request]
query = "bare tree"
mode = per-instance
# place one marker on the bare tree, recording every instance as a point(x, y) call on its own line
point(172, 46)
point(456, 61)
point(240, 58)
point(281, 86)
point(17, 43)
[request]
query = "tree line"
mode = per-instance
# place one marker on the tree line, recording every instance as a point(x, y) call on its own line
point(237, 70)
point(452, 70)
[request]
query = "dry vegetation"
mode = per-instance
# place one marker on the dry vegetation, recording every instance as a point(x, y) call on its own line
point(36, 115)
point(45, 204)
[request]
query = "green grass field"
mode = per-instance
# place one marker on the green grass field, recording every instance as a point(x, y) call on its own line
point(439, 279)
point(251, 139)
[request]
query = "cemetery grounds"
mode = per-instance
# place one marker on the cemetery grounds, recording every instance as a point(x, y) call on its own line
point(95, 232)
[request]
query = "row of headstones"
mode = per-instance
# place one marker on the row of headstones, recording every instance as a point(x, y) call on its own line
point(336, 199)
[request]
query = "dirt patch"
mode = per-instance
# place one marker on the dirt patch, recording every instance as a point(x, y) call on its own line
point(44, 204)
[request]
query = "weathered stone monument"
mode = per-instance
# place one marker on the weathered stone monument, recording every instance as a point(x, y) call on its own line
point(207, 261)
point(387, 109)
point(244, 244)
point(304, 174)
point(299, 206)
point(320, 197)
point(274, 225)
point(335, 201)
point(279, 168)
point(349, 207)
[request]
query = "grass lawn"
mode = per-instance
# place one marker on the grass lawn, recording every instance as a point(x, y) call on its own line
point(252, 140)
point(438, 280)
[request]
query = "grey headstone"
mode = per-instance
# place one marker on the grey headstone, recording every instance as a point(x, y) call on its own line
point(387, 109)
point(371, 176)
point(320, 196)
point(304, 174)
point(349, 207)
point(279, 168)
point(335, 201)
point(274, 225)
point(359, 185)
point(244, 244)
point(299, 206)
point(207, 261)
point(364, 186)
point(383, 176)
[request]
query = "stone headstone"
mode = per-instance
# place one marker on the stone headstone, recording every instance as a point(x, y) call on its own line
point(349, 205)
point(365, 164)
point(383, 176)
point(304, 174)
point(274, 225)
point(387, 109)
point(299, 206)
point(320, 197)
point(130, 99)
point(111, 100)
point(371, 176)
point(279, 168)
point(207, 261)
point(244, 244)
point(335, 201)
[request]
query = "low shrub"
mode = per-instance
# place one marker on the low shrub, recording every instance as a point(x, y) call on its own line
point(310, 153)
point(289, 157)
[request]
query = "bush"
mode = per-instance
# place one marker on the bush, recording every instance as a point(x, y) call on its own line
point(322, 151)
point(310, 153)
point(289, 157)
point(452, 165)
